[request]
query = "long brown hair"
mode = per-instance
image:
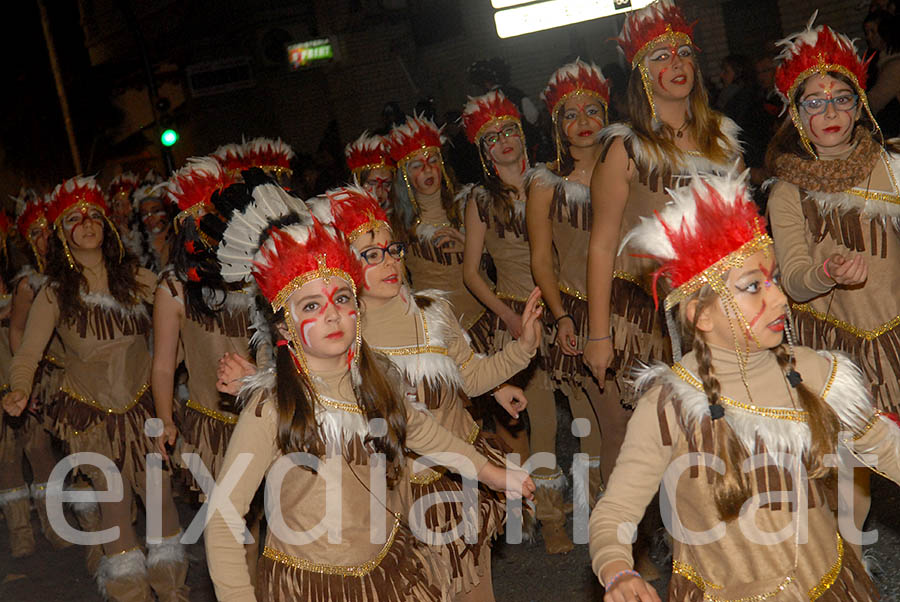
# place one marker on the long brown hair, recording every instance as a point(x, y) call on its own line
point(377, 395)
point(731, 487)
point(69, 283)
point(403, 205)
point(704, 123)
point(501, 197)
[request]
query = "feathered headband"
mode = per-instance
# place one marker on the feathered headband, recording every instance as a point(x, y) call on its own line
point(708, 227)
point(192, 186)
point(271, 236)
point(30, 209)
point(575, 78)
point(818, 50)
point(417, 133)
point(147, 189)
point(231, 157)
point(482, 111)
point(350, 209)
point(125, 182)
point(659, 20)
point(272, 156)
point(78, 191)
point(368, 152)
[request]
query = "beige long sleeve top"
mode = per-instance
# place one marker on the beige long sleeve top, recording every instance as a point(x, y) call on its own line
point(107, 353)
point(671, 421)
point(304, 498)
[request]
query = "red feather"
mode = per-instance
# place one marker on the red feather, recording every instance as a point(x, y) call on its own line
point(830, 49)
point(73, 191)
point(353, 207)
point(645, 25)
point(366, 152)
point(563, 82)
point(417, 133)
point(482, 110)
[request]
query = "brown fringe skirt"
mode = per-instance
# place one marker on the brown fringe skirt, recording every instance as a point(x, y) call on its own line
point(409, 572)
point(463, 560)
point(207, 437)
point(120, 437)
point(638, 334)
point(878, 358)
point(482, 332)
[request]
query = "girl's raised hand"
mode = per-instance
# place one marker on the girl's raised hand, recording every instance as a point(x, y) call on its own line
point(231, 370)
point(531, 325)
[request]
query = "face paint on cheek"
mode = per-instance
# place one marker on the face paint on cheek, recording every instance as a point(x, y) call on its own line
point(659, 78)
point(305, 325)
point(366, 269)
point(758, 315)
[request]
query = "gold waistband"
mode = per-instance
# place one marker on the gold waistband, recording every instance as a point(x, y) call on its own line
point(827, 580)
point(103, 408)
point(226, 418)
point(358, 570)
point(869, 335)
point(416, 350)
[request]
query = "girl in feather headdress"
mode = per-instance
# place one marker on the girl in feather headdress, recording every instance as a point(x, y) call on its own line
point(834, 206)
point(744, 431)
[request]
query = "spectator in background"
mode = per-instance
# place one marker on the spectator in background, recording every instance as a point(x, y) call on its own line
point(884, 96)
point(874, 42)
point(391, 115)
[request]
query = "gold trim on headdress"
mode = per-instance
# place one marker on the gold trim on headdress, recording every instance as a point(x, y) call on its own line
point(297, 282)
point(822, 68)
point(673, 36)
point(713, 274)
point(356, 171)
point(371, 224)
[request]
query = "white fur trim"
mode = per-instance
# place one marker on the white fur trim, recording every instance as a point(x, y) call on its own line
point(13, 495)
point(39, 490)
point(169, 551)
point(338, 426)
point(107, 301)
point(576, 194)
point(848, 396)
point(85, 508)
point(778, 436)
point(557, 482)
point(261, 382)
point(653, 158)
point(117, 566)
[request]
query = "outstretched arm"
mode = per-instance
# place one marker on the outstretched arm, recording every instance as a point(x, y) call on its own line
point(168, 311)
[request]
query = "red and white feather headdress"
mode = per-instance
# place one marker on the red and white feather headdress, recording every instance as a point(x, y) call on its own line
point(659, 20)
point(368, 152)
point(231, 157)
point(192, 186)
point(708, 227)
point(350, 209)
point(575, 78)
point(417, 133)
point(817, 50)
point(31, 209)
point(484, 110)
point(125, 182)
point(272, 156)
point(79, 191)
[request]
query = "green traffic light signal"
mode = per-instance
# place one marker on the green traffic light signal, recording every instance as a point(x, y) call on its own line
point(169, 137)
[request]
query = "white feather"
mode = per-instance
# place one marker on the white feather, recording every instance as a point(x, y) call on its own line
point(576, 194)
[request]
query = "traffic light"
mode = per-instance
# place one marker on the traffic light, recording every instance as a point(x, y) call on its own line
point(168, 137)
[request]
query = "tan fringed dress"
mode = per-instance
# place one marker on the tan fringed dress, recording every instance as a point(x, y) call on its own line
point(672, 420)
point(423, 339)
point(370, 555)
point(844, 205)
point(638, 329)
point(433, 268)
point(210, 416)
point(104, 398)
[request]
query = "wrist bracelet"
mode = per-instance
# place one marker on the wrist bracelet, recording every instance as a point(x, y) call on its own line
point(556, 322)
point(825, 267)
point(609, 336)
point(621, 574)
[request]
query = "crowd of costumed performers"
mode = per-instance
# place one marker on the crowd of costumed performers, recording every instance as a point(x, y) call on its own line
point(229, 343)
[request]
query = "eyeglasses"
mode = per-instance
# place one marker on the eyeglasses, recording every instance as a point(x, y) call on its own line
point(493, 137)
point(817, 106)
point(375, 255)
